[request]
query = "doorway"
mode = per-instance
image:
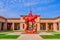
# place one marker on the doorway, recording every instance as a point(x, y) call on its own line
point(30, 26)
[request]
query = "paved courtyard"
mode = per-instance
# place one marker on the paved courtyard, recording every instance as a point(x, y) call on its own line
point(29, 36)
point(26, 36)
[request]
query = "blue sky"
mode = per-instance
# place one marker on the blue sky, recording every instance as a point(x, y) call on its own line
point(15, 8)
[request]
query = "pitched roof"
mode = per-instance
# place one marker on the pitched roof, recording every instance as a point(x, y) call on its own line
point(2, 17)
point(50, 18)
point(13, 18)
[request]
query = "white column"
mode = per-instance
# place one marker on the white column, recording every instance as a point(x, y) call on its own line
point(46, 26)
point(54, 26)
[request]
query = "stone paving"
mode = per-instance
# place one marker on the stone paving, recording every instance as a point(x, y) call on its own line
point(8, 39)
point(45, 33)
point(29, 36)
point(51, 39)
point(32, 36)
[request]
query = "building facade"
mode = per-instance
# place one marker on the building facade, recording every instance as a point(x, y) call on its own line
point(52, 24)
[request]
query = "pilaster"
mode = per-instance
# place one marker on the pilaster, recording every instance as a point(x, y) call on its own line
point(5, 26)
point(12, 27)
point(21, 26)
point(38, 26)
point(0, 25)
point(59, 26)
point(54, 26)
point(46, 26)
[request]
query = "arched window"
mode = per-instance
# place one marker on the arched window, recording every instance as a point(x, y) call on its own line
point(23, 26)
point(36, 25)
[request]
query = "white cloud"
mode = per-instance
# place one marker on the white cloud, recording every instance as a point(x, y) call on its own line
point(1, 5)
point(27, 3)
point(46, 1)
point(54, 6)
point(7, 13)
point(30, 4)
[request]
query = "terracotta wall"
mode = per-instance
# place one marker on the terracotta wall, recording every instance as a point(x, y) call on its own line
point(11, 21)
point(22, 21)
point(2, 20)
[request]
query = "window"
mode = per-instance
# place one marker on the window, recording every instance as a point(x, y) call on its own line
point(23, 26)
